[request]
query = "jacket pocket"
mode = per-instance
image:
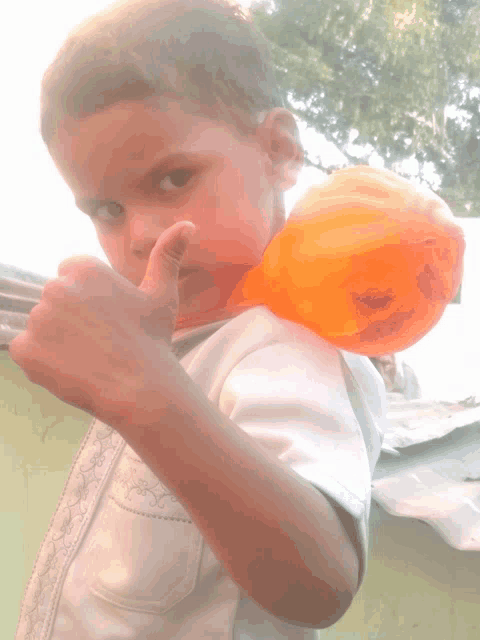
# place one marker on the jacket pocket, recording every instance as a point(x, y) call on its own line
point(145, 552)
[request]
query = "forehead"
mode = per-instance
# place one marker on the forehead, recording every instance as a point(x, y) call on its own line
point(126, 137)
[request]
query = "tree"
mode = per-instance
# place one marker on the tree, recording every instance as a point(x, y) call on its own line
point(402, 77)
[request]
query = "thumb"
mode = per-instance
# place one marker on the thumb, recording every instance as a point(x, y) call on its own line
point(166, 257)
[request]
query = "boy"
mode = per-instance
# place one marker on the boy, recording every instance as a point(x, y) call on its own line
point(223, 489)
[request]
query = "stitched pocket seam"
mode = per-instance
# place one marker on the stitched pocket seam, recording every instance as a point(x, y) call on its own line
point(146, 514)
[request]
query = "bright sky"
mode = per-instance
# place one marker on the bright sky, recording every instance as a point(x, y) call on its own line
point(41, 225)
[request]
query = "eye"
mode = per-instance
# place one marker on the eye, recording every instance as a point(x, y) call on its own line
point(173, 181)
point(108, 212)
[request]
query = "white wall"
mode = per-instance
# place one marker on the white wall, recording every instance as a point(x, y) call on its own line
point(447, 360)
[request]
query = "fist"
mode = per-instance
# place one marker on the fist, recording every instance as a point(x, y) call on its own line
point(95, 340)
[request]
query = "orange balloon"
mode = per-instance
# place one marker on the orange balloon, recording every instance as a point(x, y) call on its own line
point(367, 260)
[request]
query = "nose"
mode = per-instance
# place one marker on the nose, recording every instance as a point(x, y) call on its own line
point(144, 233)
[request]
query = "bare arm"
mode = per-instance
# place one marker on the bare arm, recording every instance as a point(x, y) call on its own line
point(277, 536)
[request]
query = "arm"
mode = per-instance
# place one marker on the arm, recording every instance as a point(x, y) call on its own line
point(100, 343)
point(277, 536)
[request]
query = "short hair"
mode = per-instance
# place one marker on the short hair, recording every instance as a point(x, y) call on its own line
point(206, 50)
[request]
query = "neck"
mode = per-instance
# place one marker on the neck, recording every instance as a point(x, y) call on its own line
point(197, 320)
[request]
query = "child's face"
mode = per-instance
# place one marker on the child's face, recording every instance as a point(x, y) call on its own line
point(137, 168)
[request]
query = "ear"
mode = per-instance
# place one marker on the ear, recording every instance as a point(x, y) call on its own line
point(280, 139)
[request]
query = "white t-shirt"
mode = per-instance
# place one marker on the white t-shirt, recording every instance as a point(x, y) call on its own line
point(122, 558)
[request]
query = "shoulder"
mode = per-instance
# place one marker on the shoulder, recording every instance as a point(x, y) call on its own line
point(270, 344)
point(258, 328)
point(283, 372)
point(289, 374)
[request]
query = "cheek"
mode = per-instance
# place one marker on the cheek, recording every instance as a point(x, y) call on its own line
point(235, 240)
point(108, 244)
point(238, 204)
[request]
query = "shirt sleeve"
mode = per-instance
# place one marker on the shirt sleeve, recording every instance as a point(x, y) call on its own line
point(294, 401)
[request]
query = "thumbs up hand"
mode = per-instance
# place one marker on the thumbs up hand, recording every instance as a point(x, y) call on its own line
point(160, 283)
point(95, 340)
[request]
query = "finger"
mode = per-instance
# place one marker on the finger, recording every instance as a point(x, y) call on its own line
point(75, 264)
point(166, 257)
point(84, 276)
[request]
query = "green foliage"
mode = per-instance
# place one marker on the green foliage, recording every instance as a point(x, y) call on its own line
point(402, 75)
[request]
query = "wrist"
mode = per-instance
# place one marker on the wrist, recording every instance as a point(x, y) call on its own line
point(136, 396)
